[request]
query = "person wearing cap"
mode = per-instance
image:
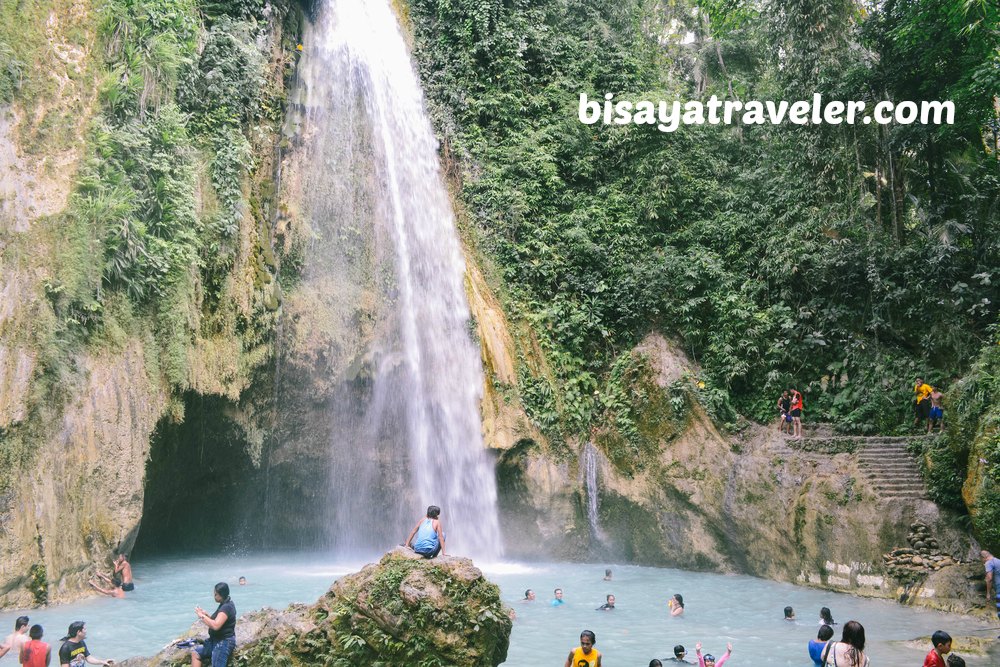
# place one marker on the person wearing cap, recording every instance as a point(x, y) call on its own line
point(708, 660)
point(16, 639)
point(74, 652)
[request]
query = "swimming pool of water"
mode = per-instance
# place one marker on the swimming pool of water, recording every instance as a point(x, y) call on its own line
point(742, 610)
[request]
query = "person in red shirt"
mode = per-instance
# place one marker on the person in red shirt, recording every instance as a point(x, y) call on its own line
point(942, 646)
point(796, 413)
point(35, 652)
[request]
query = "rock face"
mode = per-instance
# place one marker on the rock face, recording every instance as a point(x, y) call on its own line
point(402, 611)
point(695, 498)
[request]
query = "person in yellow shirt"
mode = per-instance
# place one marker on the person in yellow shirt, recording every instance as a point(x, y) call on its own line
point(585, 655)
point(922, 405)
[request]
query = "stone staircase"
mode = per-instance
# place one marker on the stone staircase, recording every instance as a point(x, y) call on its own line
point(894, 473)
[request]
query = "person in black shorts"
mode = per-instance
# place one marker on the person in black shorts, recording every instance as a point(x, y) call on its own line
point(123, 569)
point(221, 630)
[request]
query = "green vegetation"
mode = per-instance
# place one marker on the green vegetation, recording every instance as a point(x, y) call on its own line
point(38, 584)
point(174, 178)
point(966, 465)
point(843, 260)
point(639, 416)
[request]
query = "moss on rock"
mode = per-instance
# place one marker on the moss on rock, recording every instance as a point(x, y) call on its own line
point(404, 610)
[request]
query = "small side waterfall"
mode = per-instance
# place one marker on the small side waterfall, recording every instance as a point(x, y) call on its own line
point(405, 414)
point(590, 483)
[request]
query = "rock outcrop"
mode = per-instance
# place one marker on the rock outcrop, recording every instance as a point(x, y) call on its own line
point(402, 611)
point(749, 502)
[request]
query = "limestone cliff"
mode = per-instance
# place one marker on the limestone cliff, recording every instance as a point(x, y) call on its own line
point(91, 364)
point(749, 502)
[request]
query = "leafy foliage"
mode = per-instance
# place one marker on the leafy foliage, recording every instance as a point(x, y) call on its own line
point(843, 261)
point(973, 440)
point(11, 72)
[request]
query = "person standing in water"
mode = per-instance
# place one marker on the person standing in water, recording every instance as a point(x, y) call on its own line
point(74, 651)
point(850, 650)
point(941, 641)
point(16, 639)
point(585, 655)
point(676, 605)
point(708, 660)
point(429, 534)
point(221, 630)
point(123, 569)
point(816, 646)
point(35, 653)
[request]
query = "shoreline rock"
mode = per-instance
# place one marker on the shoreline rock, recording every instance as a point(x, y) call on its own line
point(403, 610)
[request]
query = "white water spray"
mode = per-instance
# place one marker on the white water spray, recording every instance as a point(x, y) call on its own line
point(375, 186)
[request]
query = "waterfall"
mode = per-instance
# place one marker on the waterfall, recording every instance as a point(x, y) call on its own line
point(405, 414)
point(590, 483)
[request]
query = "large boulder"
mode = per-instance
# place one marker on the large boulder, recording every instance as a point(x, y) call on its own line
point(405, 610)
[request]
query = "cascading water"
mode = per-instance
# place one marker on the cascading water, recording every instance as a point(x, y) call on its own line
point(405, 413)
point(590, 483)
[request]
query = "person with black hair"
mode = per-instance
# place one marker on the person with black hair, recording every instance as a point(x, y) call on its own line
point(679, 653)
point(609, 603)
point(676, 604)
point(708, 660)
point(817, 645)
point(74, 651)
point(123, 571)
point(850, 650)
point(529, 596)
point(941, 641)
point(221, 630)
point(789, 614)
point(16, 639)
point(956, 661)
point(427, 536)
point(826, 617)
point(35, 653)
point(585, 655)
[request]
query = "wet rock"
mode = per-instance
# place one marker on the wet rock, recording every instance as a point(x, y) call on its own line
point(403, 610)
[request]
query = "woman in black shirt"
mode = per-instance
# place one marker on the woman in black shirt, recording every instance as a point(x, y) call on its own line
point(221, 630)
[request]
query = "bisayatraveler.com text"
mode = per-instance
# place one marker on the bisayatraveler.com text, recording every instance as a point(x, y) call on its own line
point(667, 116)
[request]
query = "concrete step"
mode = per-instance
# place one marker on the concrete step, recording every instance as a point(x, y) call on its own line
point(916, 479)
point(883, 472)
point(900, 486)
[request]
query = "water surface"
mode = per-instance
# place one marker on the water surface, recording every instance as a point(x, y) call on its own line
point(719, 608)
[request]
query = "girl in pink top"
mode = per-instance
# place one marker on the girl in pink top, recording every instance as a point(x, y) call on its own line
point(708, 660)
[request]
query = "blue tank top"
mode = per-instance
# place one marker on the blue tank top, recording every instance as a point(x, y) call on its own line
point(426, 538)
